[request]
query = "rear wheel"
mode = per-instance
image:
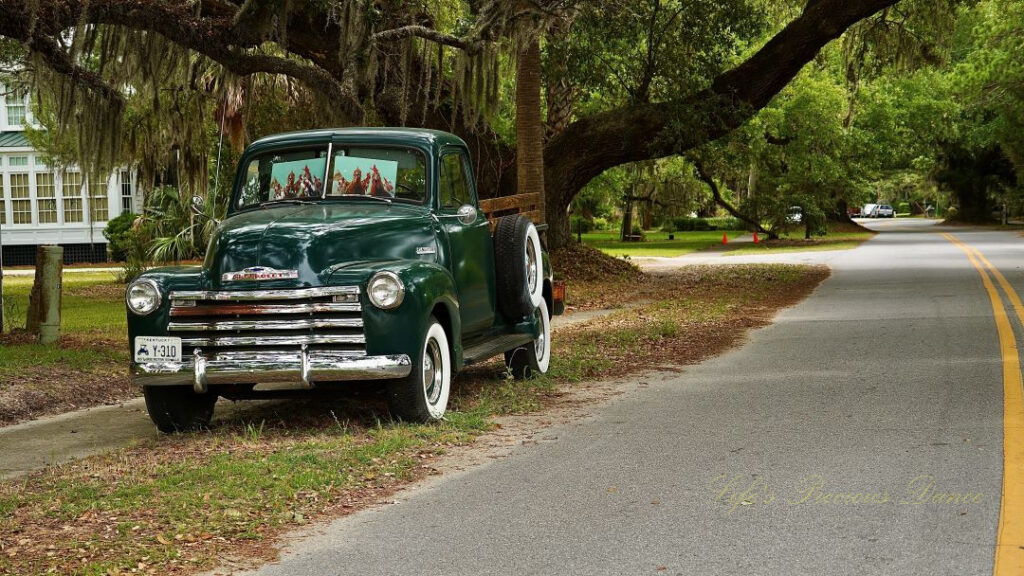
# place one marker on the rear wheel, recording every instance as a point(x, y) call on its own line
point(532, 359)
point(178, 408)
point(422, 396)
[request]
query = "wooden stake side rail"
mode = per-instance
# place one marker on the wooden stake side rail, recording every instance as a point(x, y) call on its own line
point(527, 204)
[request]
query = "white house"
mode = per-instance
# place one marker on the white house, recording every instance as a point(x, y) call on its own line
point(42, 205)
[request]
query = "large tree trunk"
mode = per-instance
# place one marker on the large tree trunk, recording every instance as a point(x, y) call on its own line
point(529, 124)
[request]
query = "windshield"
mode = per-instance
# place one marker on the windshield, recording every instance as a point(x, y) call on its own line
point(389, 173)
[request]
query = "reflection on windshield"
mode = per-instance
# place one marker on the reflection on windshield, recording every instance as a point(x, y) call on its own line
point(284, 183)
point(364, 177)
point(387, 173)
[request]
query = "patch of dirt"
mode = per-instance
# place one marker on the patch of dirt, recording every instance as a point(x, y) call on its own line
point(48, 390)
point(105, 291)
point(579, 262)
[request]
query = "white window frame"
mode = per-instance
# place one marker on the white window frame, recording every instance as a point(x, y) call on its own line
point(29, 120)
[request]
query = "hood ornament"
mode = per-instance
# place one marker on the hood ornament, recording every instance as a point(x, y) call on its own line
point(259, 273)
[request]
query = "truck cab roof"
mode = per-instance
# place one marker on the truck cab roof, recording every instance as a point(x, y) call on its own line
point(418, 137)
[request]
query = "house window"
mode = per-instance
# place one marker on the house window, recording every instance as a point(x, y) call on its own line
point(46, 198)
point(127, 197)
point(3, 203)
point(21, 202)
point(98, 202)
point(16, 108)
point(72, 189)
point(18, 161)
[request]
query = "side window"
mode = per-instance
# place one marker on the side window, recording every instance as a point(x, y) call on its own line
point(454, 185)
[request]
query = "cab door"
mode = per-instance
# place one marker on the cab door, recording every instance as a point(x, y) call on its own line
point(468, 236)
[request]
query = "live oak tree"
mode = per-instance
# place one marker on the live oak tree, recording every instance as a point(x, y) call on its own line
point(390, 61)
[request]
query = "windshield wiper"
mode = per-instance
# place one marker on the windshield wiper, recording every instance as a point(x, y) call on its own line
point(289, 201)
point(387, 201)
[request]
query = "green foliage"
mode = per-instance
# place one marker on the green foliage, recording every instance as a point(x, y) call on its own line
point(117, 232)
point(687, 224)
point(178, 233)
point(580, 224)
point(654, 49)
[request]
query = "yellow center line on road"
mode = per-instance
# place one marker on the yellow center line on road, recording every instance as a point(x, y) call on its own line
point(1009, 553)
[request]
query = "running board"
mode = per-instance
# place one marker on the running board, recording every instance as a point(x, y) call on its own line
point(493, 347)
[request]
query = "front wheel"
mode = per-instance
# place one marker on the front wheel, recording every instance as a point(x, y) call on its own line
point(178, 408)
point(422, 396)
point(533, 359)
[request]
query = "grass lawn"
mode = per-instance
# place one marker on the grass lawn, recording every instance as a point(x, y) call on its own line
point(92, 305)
point(177, 504)
point(86, 368)
point(656, 243)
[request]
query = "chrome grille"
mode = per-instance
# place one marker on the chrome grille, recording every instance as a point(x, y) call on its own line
point(328, 318)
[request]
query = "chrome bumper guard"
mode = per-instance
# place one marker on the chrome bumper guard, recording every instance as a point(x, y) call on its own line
point(303, 368)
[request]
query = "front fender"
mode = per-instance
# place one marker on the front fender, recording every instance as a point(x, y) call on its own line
point(428, 287)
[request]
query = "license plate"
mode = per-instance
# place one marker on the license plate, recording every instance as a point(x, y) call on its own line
point(157, 349)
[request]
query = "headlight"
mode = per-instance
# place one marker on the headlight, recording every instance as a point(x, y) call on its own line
point(386, 290)
point(142, 296)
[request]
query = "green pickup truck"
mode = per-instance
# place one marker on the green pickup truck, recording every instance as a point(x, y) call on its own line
point(346, 255)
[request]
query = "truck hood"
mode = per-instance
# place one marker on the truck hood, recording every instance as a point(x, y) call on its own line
point(315, 240)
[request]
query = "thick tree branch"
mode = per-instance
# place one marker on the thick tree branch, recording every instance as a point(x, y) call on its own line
point(467, 45)
point(58, 61)
point(215, 37)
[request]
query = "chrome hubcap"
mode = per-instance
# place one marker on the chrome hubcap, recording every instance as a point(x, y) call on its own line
point(433, 370)
point(531, 267)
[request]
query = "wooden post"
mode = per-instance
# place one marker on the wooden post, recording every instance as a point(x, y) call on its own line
point(45, 299)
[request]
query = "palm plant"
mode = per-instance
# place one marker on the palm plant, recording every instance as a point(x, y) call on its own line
point(178, 232)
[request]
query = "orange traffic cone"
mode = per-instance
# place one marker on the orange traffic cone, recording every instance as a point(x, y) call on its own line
point(755, 237)
point(725, 238)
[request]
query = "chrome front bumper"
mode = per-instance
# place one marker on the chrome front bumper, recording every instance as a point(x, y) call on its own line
point(300, 369)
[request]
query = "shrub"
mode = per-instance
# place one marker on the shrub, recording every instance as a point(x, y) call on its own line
point(601, 224)
point(581, 224)
point(136, 252)
point(727, 223)
point(116, 233)
point(691, 224)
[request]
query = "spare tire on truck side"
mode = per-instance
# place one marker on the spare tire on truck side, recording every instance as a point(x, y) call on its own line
point(519, 271)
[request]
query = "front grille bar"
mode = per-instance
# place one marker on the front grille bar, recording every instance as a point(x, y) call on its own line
point(229, 325)
point(249, 295)
point(274, 340)
point(242, 309)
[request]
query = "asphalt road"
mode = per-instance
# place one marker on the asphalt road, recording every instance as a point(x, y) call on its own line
point(816, 448)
